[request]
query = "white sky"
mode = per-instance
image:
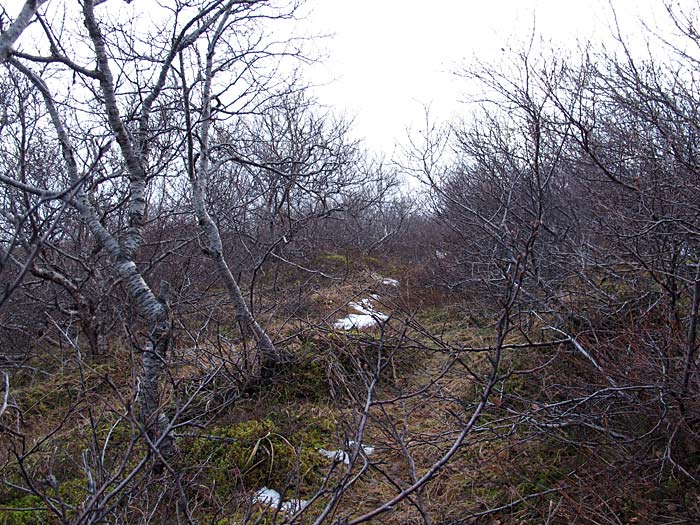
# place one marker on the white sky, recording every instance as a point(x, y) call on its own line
point(387, 58)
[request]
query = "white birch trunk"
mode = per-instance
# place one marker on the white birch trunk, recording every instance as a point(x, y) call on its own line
point(199, 178)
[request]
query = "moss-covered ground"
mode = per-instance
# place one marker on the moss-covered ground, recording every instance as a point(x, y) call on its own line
point(72, 430)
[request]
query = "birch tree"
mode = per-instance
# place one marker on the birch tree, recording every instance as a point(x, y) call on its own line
point(198, 173)
point(125, 126)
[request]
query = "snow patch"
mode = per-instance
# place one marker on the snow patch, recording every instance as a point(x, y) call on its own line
point(367, 449)
point(268, 497)
point(367, 318)
point(365, 307)
point(336, 455)
point(271, 498)
point(294, 505)
point(343, 457)
point(384, 280)
point(355, 321)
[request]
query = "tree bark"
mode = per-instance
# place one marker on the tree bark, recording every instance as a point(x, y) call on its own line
point(213, 245)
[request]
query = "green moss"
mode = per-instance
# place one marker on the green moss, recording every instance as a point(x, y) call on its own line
point(309, 432)
point(437, 315)
point(255, 453)
point(317, 360)
point(43, 398)
point(306, 376)
point(456, 325)
point(335, 259)
point(372, 262)
point(71, 492)
point(74, 491)
point(489, 492)
point(673, 485)
point(31, 516)
point(308, 381)
point(228, 521)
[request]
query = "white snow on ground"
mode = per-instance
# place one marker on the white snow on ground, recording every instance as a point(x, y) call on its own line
point(267, 497)
point(293, 505)
point(336, 455)
point(271, 498)
point(341, 456)
point(356, 321)
point(368, 450)
point(365, 307)
point(387, 281)
point(367, 318)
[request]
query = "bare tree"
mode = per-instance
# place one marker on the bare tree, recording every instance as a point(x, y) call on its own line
point(131, 130)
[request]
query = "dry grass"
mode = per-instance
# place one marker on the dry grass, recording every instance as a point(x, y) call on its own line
point(315, 402)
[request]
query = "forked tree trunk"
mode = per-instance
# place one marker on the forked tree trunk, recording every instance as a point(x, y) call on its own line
point(213, 246)
point(154, 311)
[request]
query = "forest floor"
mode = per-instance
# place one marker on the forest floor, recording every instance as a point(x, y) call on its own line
point(293, 433)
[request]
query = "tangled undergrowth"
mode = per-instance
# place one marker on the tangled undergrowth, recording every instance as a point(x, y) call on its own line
point(73, 439)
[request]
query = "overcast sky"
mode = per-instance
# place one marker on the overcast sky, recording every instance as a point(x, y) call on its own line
point(387, 58)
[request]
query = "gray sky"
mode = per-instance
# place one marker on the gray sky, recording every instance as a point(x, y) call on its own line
point(387, 58)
